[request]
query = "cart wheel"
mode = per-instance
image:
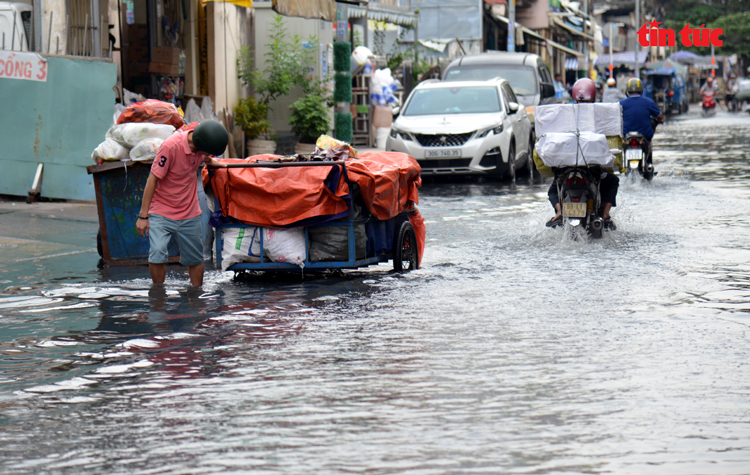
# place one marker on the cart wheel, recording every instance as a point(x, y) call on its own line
point(405, 249)
point(99, 248)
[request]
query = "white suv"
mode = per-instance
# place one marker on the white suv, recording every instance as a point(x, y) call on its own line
point(466, 127)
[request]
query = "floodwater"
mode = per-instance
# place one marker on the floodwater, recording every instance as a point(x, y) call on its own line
point(513, 350)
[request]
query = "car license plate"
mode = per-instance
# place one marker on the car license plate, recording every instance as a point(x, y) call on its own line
point(574, 210)
point(446, 152)
point(633, 154)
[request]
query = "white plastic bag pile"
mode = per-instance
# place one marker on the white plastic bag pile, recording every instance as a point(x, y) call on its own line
point(132, 141)
point(556, 126)
point(279, 245)
point(193, 113)
point(382, 88)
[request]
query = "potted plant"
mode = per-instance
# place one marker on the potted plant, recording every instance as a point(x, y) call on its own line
point(310, 117)
point(251, 116)
point(285, 64)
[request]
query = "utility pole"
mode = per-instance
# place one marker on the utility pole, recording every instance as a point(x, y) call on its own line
point(511, 25)
point(611, 35)
point(585, 40)
point(637, 26)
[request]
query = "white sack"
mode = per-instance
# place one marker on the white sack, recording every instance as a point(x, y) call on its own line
point(600, 118)
point(109, 150)
point(559, 149)
point(146, 149)
point(207, 109)
point(129, 134)
point(193, 112)
point(285, 245)
point(240, 245)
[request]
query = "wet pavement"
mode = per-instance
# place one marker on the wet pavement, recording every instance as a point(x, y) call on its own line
point(513, 350)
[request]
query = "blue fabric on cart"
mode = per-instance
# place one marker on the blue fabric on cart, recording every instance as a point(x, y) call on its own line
point(380, 235)
point(217, 219)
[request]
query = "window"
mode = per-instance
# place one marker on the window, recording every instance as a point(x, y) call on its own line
point(521, 78)
point(453, 100)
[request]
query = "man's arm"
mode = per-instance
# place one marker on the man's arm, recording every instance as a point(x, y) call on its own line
point(213, 162)
point(148, 194)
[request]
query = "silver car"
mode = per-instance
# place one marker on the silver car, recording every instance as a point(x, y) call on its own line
point(467, 128)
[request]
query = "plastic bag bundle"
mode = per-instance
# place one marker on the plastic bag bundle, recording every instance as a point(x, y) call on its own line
point(561, 149)
point(193, 112)
point(361, 54)
point(128, 135)
point(118, 110)
point(601, 118)
point(240, 245)
point(207, 109)
point(109, 150)
point(152, 111)
point(285, 245)
point(331, 243)
point(383, 87)
point(146, 149)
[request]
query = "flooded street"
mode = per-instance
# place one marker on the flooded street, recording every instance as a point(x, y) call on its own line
point(513, 350)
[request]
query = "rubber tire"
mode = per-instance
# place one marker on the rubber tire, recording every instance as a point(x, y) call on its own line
point(99, 247)
point(512, 161)
point(528, 167)
point(405, 249)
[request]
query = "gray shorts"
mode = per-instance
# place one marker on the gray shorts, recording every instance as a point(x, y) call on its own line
point(188, 234)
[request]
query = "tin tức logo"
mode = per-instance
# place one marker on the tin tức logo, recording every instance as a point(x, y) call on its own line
point(651, 35)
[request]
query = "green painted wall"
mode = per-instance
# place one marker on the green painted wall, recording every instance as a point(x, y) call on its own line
point(59, 123)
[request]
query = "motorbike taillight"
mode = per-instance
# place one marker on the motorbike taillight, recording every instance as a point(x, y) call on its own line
point(577, 179)
point(670, 93)
point(633, 142)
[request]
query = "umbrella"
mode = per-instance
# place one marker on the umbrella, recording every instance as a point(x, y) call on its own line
point(684, 57)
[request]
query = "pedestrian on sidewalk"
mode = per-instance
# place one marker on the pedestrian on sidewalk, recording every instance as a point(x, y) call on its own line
point(170, 200)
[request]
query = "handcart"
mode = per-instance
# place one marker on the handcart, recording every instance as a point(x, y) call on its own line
point(393, 239)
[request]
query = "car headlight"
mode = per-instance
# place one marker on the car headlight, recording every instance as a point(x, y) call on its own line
point(495, 130)
point(395, 133)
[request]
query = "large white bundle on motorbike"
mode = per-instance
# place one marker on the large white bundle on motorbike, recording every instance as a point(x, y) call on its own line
point(601, 118)
point(566, 149)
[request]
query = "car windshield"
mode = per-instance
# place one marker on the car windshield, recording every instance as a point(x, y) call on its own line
point(453, 100)
point(521, 78)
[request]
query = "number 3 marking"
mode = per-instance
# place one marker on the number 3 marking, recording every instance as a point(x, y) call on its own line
point(162, 161)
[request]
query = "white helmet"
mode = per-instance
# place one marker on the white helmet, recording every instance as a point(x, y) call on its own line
point(611, 82)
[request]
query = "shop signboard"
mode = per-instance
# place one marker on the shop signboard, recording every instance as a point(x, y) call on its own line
point(25, 66)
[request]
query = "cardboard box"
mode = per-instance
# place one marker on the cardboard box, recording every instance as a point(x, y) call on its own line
point(165, 55)
point(161, 68)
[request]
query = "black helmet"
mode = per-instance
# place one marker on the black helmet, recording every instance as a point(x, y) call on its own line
point(210, 137)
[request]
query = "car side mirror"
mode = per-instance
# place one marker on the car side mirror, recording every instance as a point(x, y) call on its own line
point(396, 111)
point(513, 106)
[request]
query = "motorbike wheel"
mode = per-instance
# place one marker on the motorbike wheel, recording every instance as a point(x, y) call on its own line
point(528, 166)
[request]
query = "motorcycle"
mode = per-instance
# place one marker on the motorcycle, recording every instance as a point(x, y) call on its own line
point(732, 104)
point(635, 156)
point(578, 189)
point(709, 103)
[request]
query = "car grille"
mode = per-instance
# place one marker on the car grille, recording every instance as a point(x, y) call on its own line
point(443, 140)
point(450, 163)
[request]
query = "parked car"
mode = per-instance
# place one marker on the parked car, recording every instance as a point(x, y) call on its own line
point(467, 128)
point(527, 74)
point(15, 26)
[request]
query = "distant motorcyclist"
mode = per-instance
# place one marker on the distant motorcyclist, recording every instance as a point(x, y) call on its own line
point(637, 112)
point(612, 94)
point(710, 85)
point(731, 88)
point(584, 90)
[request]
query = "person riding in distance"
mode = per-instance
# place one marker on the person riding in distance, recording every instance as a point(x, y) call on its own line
point(637, 112)
point(559, 87)
point(612, 94)
point(584, 90)
point(170, 200)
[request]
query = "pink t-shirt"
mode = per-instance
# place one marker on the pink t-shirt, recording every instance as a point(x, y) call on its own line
point(176, 167)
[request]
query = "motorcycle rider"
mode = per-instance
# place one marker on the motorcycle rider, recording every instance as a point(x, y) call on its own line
point(731, 89)
point(637, 112)
point(584, 90)
point(612, 94)
point(710, 86)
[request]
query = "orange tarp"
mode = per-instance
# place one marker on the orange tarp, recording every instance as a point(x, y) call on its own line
point(388, 181)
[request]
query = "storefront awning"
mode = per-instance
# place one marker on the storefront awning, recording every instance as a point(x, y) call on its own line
point(239, 3)
point(314, 9)
point(374, 12)
point(534, 34)
point(561, 23)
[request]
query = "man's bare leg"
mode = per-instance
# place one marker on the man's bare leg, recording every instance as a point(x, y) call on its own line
point(196, 274)
point(158, 272)
point(605, 212)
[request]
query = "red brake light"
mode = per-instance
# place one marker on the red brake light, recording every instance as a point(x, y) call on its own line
point(670, 93)
point(633, 142)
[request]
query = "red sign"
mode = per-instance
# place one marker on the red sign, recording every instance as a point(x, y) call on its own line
point(27, 66)
point(651, 35)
